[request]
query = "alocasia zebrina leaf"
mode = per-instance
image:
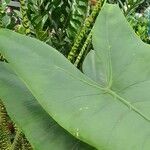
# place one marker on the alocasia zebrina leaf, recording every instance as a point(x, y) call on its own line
point(111, 112)
point(40, 129)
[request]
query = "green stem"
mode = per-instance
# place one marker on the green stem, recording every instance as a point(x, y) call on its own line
point(17, 141)
point(83, 49)
point(25, 20)
point(4, 131)
point(4, 139)
point(88, 23)
point(122, 6)
point(25, 144)
point(128, 104)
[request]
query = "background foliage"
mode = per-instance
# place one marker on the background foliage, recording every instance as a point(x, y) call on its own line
point(58, 22)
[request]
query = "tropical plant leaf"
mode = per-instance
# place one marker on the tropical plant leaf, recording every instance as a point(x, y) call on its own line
point(41, 130)
point(108, 115)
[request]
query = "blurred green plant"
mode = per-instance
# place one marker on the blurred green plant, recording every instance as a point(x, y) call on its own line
point(147, 15)
point(57, 22)
point(8, 17)
point(140, 24)
point(134, 12)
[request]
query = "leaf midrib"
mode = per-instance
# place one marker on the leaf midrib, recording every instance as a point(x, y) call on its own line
point(106, 90)
point(128, 104)
point(113, 93)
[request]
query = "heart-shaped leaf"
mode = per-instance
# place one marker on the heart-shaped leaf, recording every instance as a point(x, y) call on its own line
point(41, 130)
point(111, 114)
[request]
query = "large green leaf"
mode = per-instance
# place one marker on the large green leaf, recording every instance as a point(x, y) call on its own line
point(110, 113)
point(41, 130)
